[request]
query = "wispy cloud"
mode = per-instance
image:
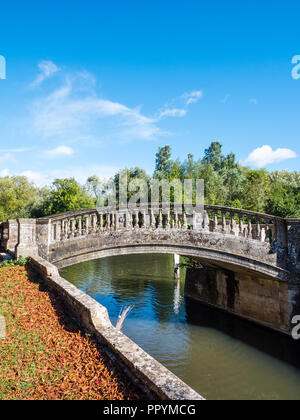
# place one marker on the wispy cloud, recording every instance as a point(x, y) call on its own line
point(265, 155)
point(172, 112)
point(79, 173)
point(192, 97)
point(46, 70)
point(4, 173)
point(253, 101)
point(25, 149)
point(60, 151)
point(225, 99)
point(75, 110)
point(6, 157)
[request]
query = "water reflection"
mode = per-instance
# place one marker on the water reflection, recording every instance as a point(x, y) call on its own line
point(220, 356)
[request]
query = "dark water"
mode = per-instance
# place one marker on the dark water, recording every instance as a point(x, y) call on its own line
point(218, 355)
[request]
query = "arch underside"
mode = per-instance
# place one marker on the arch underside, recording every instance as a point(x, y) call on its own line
point(206, 256)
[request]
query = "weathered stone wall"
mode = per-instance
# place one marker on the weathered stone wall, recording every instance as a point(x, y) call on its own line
point(267, 301)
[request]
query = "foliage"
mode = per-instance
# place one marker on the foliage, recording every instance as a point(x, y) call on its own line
point(21, 262)
point(226, 182)
point(17, 196)
point(284, 200)
point(66, 195)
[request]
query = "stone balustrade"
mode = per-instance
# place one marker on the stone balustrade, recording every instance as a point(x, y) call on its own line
point(204, 226)
point(209, 219)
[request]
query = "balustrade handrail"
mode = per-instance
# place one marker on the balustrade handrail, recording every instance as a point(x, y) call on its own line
point(172, 206)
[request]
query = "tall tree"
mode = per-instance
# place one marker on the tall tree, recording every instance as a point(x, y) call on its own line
point(163, 162)
point(67, 195)
point(17, 196)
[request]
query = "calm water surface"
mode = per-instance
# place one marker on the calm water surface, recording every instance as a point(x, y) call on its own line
point(218, 355)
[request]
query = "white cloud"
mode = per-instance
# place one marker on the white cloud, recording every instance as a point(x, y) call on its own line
point(265, 155)
point(33, 176)
point(172, 112)
point(254, 101)
point(79, 173)
point(74, 110)
point(192, 97)
point(4, 173)
point(59, 151)
point(25, 149)
point(47, 70)
point(5, 157)
point(66, 114)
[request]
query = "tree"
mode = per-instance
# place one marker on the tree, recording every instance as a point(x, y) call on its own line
point(163, 162)
point(213, 155)
point(257, 190)
point(133, 177)
point(284, 200)
point(67, 195)
point(17, 196)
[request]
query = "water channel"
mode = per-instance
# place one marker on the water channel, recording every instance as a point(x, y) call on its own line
point(220, 356)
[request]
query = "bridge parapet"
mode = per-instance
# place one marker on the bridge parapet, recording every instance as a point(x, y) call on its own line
point(239, 232)
point(248, 224)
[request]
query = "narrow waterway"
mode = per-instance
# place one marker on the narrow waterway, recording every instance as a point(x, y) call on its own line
point(218, 355)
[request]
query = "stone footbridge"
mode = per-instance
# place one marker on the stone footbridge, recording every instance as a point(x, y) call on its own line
point(253, 258)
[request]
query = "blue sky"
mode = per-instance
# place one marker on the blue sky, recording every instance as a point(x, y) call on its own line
point(92, 87)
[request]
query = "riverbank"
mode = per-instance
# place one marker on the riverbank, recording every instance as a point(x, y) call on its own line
point(46, 355)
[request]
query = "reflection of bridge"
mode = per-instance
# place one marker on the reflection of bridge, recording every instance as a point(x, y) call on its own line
point(254, 259)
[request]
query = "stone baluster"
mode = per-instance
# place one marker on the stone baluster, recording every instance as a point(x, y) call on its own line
point(232, 224)
point(262, 235)
point(153, 221)
point(113, 221)
point(224, 224)
point(118, 219)
point(176, 220)
point(79, 227)
point(168, 220)
point(72, 228)
point(86, 219)
point(65, 229)
point(206, 221)
point(249, 226)
point(144, 219)
point(128, 220)
point(94, 227)
point(107, 221)
point(216, 222)
point(269, 231)
point(136, 226)
point(160, 219)
point(101, 222)
point(258, 228)
point(241, 224)
point(184, 226)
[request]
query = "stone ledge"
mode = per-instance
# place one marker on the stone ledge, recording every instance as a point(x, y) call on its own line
point(143, 369)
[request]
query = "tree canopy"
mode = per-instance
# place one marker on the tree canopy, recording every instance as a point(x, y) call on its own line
point(226, 182)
